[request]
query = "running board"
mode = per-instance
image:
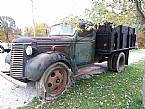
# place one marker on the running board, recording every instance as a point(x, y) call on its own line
point(92, 69)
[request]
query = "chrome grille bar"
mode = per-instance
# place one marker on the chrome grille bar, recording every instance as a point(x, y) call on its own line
point(17, 61)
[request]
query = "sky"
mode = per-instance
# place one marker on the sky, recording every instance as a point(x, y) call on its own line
point(45, 11)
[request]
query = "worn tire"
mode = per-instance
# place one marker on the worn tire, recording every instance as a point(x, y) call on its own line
point(119, 62)
point(2, 50)
point(110, 62)
point(55, 81)
point(7, 50)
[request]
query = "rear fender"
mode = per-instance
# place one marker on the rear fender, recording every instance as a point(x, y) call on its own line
point(36, 66)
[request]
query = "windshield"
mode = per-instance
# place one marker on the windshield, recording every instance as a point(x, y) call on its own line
point(62, 29)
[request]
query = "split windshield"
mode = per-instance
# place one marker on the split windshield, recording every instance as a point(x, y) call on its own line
point(62, 29)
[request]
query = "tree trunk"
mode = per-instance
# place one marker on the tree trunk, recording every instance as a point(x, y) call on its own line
point(140, 12)
point(7, 37)
point(138, 7)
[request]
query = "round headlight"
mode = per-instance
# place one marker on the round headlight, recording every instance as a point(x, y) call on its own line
point(29, 50)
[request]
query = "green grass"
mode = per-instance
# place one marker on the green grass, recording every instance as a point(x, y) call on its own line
point(135, 50)
point(106, 91)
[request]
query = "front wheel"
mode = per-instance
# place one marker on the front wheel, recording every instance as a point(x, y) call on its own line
point(55, 80)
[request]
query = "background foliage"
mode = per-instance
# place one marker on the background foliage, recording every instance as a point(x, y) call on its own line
point(119, 12)
point(126, 12)
point(8, 28)
point(40, 28)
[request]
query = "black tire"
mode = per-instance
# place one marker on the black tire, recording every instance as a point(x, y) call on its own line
point(110, 62)
point(7, 50)
point(119, 62)
point(54, 82)
point(2, 50)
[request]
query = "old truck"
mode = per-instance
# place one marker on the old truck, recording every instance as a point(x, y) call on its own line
point(54, 61)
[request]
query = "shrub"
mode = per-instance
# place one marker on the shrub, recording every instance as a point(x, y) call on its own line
point(141, 39)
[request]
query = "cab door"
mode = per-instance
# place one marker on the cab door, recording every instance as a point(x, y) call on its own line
point(85, 48)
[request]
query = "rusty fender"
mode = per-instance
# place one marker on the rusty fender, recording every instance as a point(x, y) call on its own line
point(35, 67)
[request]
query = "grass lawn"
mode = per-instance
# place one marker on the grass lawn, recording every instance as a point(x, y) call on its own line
point(106, 91)
point(135, 50)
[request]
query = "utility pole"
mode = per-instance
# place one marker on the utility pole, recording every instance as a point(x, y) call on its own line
point(33, 17)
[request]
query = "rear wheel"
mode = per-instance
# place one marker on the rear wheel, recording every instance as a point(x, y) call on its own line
point(55, 80)
point(118, 62)
point(109, 62)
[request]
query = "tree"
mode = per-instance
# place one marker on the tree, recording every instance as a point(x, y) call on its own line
point(17, 31)
point(71, 20)
point(140, 7)
point(97, 12)
point(7, 26)
point(40, 28)
point(126, 12)
point(28, 31)
point(120, 12)
point(137, 8)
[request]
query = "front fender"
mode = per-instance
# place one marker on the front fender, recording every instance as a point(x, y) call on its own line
point(36, 66)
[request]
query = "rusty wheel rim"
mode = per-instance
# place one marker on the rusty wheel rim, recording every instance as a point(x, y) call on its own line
point(56, 81)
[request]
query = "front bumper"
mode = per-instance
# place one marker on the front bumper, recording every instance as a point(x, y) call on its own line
point(14, 81)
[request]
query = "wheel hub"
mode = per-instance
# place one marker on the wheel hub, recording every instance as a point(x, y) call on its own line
point(56, 82)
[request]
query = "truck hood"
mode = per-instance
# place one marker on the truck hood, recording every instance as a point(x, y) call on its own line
point(54, 38)
point(47, 39)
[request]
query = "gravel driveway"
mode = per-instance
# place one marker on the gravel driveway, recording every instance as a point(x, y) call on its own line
point(12, 96)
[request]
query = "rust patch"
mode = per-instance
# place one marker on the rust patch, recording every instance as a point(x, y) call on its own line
point(95, 68)
point(88, 69)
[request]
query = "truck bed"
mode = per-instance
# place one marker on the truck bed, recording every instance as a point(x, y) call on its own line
point(110, 39)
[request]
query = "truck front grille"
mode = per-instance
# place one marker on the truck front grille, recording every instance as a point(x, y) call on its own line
point(16, 69)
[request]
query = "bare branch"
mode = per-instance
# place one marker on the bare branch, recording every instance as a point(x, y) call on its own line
point(138, 7)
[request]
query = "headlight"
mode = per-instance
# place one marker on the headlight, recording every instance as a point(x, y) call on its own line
point(29, 50)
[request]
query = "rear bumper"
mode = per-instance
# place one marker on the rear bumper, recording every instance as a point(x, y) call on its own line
point(12, 80)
